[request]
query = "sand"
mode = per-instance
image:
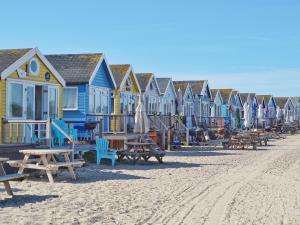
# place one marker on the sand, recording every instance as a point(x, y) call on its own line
point(192, 187)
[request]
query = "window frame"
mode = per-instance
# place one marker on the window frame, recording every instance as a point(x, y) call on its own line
point(75, 108)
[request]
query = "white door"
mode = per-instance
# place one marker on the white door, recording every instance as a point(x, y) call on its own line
point(29, 110)
point(52, 101)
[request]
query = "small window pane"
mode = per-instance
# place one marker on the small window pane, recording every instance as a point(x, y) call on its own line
point(70, 98)
point(16, 100)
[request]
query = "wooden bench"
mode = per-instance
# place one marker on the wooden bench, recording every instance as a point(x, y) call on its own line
point(135, 156)
point(5, 178)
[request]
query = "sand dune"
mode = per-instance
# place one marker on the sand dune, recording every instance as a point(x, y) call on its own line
point(192, 187)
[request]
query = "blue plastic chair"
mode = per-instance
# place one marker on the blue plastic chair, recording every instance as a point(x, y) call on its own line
point(104, 152)
point(57, 135)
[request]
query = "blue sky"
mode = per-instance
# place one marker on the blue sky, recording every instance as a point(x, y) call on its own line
point(248, 45)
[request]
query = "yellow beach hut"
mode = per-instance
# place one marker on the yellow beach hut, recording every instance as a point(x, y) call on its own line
point(31, 90)
point(126, 93)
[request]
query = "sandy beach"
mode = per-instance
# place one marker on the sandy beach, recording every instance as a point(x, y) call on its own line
point(192, 187)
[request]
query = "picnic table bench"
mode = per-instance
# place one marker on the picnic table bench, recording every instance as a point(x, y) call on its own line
point(140, 150)
point(45, 160)
point(5, 178)
point(240, 142)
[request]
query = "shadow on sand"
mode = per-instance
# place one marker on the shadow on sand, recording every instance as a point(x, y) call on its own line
point(20, 200)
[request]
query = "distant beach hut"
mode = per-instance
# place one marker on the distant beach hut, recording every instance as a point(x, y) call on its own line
point(185, 101)
point(150, 92)
point(125, 96)
point(216, 107)
point(287, 108)
point(168, 96)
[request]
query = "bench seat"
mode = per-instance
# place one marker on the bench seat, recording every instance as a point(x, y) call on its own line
point(11, 177)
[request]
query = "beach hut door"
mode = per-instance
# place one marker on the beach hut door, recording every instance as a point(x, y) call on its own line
point(29, 111)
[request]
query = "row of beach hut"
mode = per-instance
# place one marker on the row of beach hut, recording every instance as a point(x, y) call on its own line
point(81, 89)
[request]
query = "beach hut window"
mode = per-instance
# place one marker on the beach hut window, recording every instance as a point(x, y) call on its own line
point(34, 66)
point(70, 98)
point(15, 101)
point(98, 100)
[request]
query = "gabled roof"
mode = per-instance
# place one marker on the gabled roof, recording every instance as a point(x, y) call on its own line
point(244, 97)
point(267, 98)
point(196, 85)
point(119, 72)
point(252, 96)
point(9, 56)
point(78, 68)
point(163, 84)
point(214, 93)
point(260, 99)
point(295, 100)
point(281, 101)
point(180, 85)
point(226, 93)
point(12, 59)
point(144, 79)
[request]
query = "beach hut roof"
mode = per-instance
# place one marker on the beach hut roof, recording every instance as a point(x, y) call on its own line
point(260, 98)
point(163, 84)
point(267, 98)
point(252, 96)
point(119, 72)
point(281, 101)
point(214, 93)
point(244, 97)
point(12, 59)
point(295, 100)
point(196, 85)
point(9, 56)
point(78, 68)
point(144, 79)
point(180, 85)
point(226, 93)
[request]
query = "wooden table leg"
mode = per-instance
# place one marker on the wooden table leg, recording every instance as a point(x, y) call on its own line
point(21, 169)
point(48, 172)
point(71, 170)
point(6, 183)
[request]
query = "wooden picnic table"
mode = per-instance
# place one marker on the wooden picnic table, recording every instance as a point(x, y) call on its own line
point(140, 150)
point(5, 178)
point(45, 160)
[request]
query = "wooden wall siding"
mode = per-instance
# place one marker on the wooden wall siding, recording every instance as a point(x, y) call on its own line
point(78, 117)
point(38, 78)
point(83, 101)
point(102, 78)
point(168, 96)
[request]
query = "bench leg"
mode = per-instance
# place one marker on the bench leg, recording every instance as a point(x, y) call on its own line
point(6, 183)
point(48, 172)
point(70, 168)
point(21, 169)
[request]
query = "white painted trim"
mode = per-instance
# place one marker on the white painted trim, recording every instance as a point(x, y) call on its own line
point(102, 59)
point(77, 96)
point(31, 53)
point(32, 82)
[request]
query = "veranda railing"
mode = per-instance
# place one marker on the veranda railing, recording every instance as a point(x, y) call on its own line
point(25, 131)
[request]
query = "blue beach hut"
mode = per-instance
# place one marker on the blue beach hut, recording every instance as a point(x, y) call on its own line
point(88, 91)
